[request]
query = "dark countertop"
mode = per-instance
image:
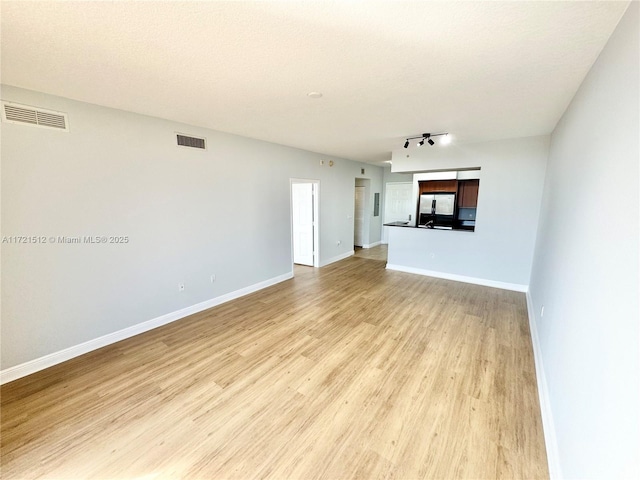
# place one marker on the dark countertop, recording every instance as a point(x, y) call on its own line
point(422, 227)
point(397, 224)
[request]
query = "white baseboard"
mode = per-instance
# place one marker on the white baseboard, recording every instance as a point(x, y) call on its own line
point(460, 278)
point(548, 426)
point(337, 258)
point(32, 366)
point(371, 245)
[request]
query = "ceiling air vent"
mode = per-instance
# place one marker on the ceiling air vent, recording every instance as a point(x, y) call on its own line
point(37, 117)
point(193, 142)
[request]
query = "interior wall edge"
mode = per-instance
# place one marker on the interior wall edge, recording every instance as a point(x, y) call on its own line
point(185, 212)
point(548, 426)
point(337, 258)
point(32, 366)
point(516, 287)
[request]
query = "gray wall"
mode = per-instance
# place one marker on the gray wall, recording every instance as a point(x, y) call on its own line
point(585, 270)
point(189, 214)
point(372, 224)
point(511, 181)
point(375, 223)
point(390, 176)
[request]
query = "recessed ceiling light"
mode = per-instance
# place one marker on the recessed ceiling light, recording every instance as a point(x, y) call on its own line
point(314, 94)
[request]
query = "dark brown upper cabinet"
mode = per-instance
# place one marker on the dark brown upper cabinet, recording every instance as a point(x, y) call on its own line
point(428, 186)
point(468, 193)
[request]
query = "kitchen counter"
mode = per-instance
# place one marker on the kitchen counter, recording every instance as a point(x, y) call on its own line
point(422, 227)
point(398, 224)
point(454, 255)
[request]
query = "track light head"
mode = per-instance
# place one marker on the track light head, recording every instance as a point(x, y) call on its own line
point(431, 142)
point(406, 144)
point(421, 143)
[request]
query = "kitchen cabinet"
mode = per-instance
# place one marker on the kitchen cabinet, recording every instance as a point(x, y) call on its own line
point(449, 186)
point(448, 204)
point(468, 193)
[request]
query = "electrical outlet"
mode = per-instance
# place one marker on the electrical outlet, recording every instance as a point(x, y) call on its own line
point(338, 243)
point(213, 278)
point(181, 287)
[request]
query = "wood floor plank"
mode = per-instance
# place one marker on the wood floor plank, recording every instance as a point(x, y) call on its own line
point(349, 371)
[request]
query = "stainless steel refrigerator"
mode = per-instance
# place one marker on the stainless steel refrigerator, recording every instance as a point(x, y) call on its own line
point(437, 210)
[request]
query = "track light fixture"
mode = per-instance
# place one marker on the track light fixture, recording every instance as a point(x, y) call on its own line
point(427, 137)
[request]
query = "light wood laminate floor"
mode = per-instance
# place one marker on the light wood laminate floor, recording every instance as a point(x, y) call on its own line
point(375, 253)
point(349, 371)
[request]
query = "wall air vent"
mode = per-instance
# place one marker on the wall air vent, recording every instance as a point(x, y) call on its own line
point(37, 117)
point(193, 142)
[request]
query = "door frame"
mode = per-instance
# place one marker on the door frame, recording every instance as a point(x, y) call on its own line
point(316, 217)
point(366, 226)
point(355, 216)
point(385, 229)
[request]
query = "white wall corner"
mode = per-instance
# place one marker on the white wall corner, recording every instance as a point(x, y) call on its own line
point(33, 366)
point(371, 245)
point(516, 287)
point(337, 258)
point(551, 442)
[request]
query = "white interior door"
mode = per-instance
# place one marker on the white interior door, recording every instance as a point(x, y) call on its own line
point(358, 217)
point(399, 205)
point(303, 223)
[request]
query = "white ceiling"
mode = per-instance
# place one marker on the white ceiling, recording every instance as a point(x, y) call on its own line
point(387, 70)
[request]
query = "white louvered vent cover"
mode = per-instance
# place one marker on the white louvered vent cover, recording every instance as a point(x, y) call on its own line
point(194, 142)
point(37, 117)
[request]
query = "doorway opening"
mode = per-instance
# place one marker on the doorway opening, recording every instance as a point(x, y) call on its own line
point(304, 222)
point(361, 219)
